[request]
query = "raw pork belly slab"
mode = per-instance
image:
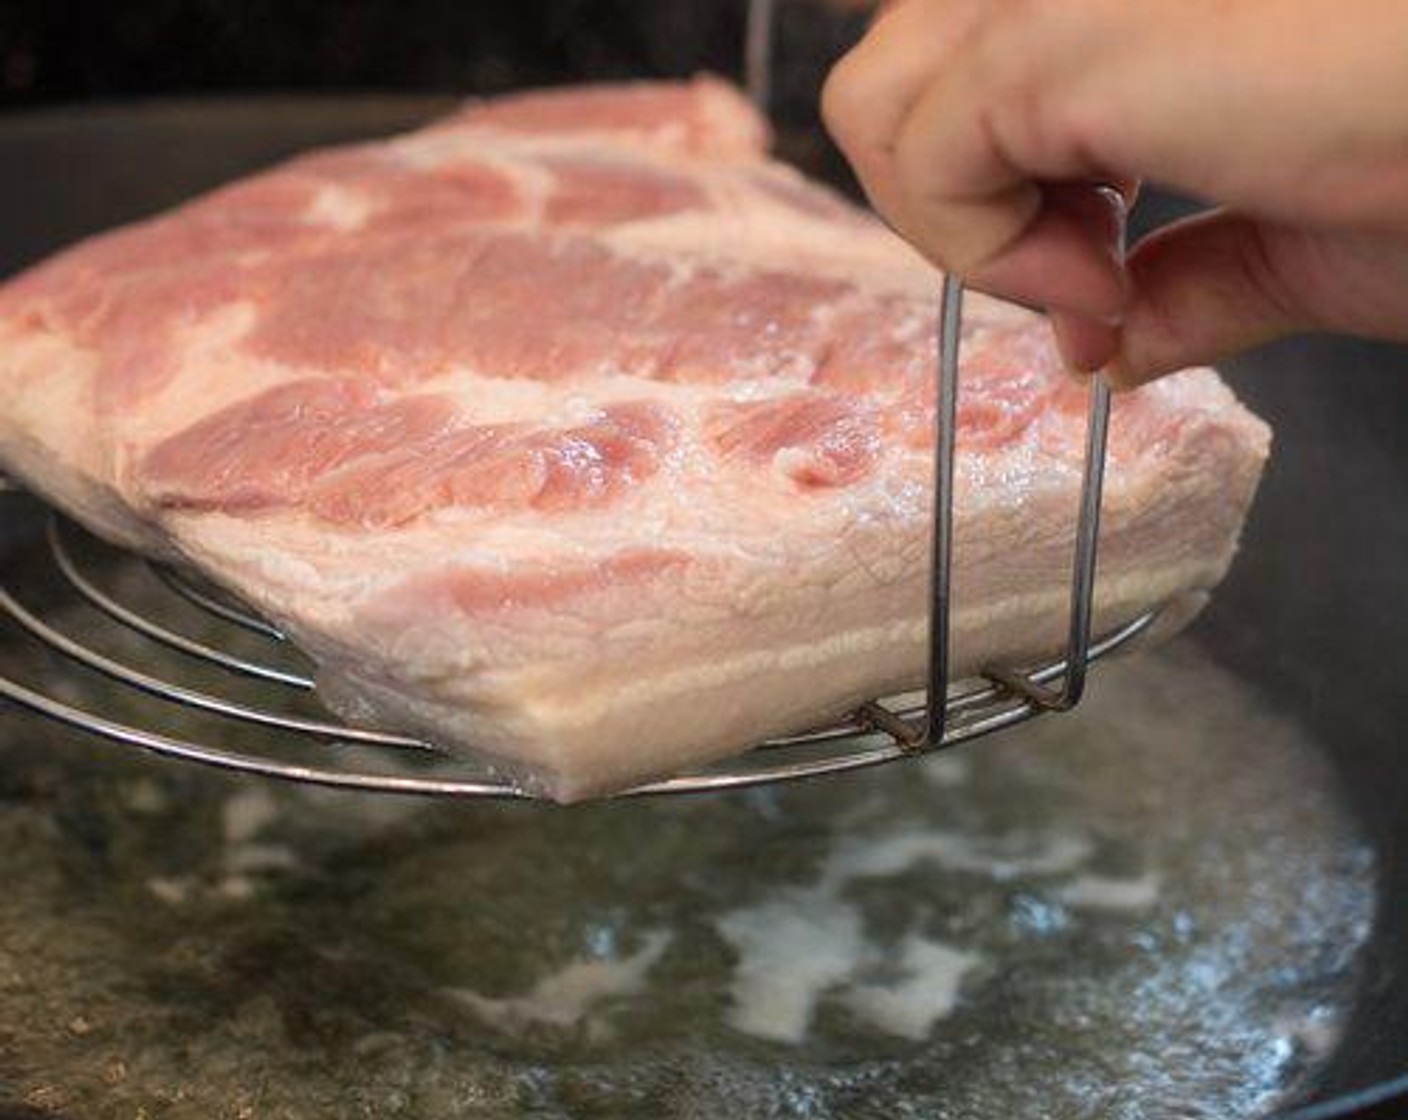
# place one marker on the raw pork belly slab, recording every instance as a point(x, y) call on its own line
point(574, 430)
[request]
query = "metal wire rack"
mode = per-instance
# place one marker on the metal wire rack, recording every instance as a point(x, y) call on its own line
point(158, 607)
point(295, 741)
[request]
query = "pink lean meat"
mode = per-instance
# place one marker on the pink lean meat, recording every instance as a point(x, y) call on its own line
point(574, 430)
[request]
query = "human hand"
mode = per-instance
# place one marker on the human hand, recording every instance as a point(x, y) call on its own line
point(980, 128)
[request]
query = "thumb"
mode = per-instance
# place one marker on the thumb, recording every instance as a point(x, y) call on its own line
point(1203, 289)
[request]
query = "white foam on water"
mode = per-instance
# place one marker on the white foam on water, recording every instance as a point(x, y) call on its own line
point(572, 995)
point(899, 851)
point(1315, 1031)
point(251, 858)
point(235, 888)
point(1102, 892)
point(145, 796)
point(248, 812)
point(1152, 907)
point(946, 771)
point(792, 950)
point(172, 890)
point(805, 943)
point(931, 974)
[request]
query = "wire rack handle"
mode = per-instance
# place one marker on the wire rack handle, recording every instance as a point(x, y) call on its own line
point(758, 66)
point(933, 731)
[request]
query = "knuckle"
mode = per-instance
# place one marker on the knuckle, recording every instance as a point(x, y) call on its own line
point(1262, 271)
point(844, 96)
point(967, 256)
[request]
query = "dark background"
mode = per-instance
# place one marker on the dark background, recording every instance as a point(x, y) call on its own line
point(71, 50)
point(75, 53)
point(75, 50)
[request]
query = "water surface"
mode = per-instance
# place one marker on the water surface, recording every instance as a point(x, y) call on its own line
point(1150, 908)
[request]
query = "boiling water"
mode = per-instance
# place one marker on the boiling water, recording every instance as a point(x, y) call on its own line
point(1151, 908)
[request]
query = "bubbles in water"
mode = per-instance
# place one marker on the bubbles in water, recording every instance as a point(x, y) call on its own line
point(1152, 907)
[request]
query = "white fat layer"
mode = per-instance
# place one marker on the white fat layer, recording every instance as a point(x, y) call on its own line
point(339, 207)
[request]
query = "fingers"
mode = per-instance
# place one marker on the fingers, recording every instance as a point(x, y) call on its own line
point(1086, 345)
point(1206, 288)
point(950, 187)
point(870, 91)
point(1071, 257)
point(977, 128)
point(1068, 260)
point(910, 108)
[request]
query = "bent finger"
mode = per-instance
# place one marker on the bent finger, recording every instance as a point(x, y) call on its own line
point(870, 91)
point(1202, 290)
point(1069, 259)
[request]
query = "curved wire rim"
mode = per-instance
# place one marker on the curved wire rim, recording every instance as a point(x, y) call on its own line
point(889, 709)
point(69, 568)
point(214, 604)
point(165, 690)
point(859, 743)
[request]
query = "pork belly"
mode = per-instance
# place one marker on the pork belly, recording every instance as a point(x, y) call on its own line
point(574, 430)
